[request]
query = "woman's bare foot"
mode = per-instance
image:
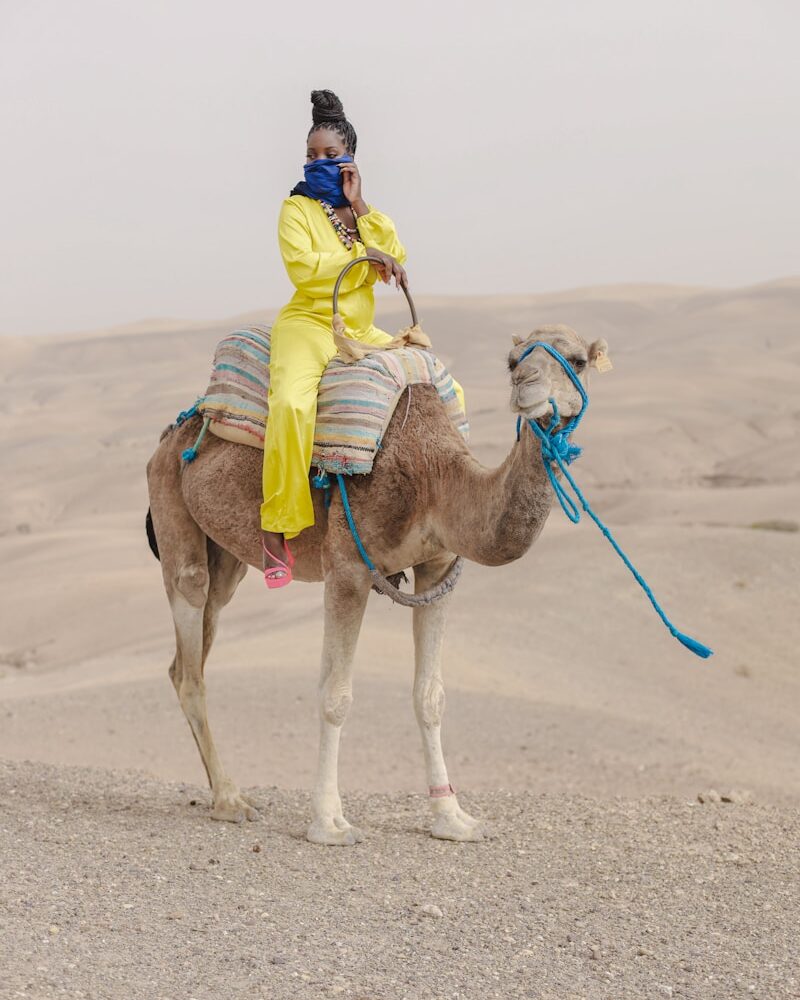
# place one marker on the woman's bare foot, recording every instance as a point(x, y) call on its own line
point(277, 560)
point(275, 547)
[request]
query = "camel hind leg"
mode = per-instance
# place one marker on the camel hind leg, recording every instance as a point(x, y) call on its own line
point(200, 579)
point(196, 600)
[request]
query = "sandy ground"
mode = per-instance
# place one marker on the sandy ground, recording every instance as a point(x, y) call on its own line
point(562, 686)
point(115, 887)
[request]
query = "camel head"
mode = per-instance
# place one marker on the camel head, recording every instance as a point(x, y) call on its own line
point(539, 377)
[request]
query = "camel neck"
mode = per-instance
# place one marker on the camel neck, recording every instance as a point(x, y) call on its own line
point(493, 516)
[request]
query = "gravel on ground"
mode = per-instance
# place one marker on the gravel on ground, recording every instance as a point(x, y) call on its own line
point(118, 885)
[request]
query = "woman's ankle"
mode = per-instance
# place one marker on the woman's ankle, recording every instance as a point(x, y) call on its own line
point(274, 544)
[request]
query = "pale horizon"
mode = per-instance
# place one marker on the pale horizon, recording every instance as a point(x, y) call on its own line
point(147, 150)
point(385, 300)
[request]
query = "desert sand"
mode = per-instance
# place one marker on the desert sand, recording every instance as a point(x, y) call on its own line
point(575, 724)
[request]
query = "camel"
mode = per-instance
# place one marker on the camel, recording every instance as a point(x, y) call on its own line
point(426, 501)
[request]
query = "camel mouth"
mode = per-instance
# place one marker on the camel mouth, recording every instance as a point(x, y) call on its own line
point(541, 413)
point(531, 402)
point(543, 416)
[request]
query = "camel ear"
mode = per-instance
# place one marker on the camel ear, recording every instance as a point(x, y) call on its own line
point(517, 339)
point(598, 356)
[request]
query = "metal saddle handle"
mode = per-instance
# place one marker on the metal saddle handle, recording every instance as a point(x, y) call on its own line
point(375, 260)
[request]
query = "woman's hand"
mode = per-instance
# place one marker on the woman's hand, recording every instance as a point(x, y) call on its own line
point(388, 268)
point(351, 185)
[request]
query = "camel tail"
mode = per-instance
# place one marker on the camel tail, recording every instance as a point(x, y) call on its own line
point(151, 534)
point(148, 521)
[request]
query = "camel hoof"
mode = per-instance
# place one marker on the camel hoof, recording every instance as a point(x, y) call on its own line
point(334, 835)
point(234, 809)
point(468, 820)
point(452, 827)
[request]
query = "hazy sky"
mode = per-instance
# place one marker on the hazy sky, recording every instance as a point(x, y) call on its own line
point(519, 147)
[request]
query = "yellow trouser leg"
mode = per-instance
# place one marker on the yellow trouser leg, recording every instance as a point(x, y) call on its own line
point(299, 355)
point(460, 393)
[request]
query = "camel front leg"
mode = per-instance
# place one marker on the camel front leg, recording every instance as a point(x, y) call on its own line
point(450, 822)
point(345, 600)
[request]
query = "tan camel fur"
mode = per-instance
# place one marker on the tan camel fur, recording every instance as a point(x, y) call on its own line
point(426, 500)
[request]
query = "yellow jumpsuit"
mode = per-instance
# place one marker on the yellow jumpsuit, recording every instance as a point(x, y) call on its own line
point(302, 345)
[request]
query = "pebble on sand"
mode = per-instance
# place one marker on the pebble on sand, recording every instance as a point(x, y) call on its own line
point(431, 910)
point(738, 796)
point(735, 796)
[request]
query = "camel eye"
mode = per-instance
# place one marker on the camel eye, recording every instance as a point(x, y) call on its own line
point(578, 364)
point(512, 364)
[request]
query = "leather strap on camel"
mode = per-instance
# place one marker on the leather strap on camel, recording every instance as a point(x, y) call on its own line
point(350, 349)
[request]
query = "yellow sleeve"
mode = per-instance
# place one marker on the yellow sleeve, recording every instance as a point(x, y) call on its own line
point(377, 230)
point(311, 272)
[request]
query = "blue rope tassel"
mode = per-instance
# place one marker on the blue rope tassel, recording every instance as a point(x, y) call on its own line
point(558, 450)
point(190, 454)
point(185, 415)
point(322, 482)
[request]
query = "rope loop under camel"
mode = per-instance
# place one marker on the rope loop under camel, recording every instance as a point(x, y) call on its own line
point(380, 582)
point(558, 451)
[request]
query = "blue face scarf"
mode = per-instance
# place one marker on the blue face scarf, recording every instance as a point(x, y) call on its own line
point(324, 181)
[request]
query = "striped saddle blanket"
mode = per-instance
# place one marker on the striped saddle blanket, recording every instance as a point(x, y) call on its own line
point(354, 406)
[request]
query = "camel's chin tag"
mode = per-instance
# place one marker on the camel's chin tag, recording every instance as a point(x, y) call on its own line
point(603, 362)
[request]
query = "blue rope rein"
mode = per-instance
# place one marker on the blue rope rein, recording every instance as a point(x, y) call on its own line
point(351, 524)
point(559, 451)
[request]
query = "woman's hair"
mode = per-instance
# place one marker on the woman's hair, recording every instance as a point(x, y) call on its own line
point(327, 112)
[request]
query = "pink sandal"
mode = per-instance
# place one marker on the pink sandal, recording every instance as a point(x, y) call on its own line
point(280, 575)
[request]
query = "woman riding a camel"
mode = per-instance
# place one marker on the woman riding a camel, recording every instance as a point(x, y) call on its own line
point(324, 224)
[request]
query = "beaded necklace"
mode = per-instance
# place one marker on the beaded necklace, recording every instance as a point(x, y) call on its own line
point(347, 235)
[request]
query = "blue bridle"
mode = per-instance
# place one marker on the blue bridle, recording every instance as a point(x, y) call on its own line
point(557, 450)
point(573, 423)
point(556, 446)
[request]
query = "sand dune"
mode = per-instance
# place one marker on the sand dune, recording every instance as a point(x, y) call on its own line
point(559, 674)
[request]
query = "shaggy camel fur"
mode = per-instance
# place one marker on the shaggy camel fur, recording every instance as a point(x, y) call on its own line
point(426, 500)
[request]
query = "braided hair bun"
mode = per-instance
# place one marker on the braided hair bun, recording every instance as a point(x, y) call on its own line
point(327, 112)
point(326, 107)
